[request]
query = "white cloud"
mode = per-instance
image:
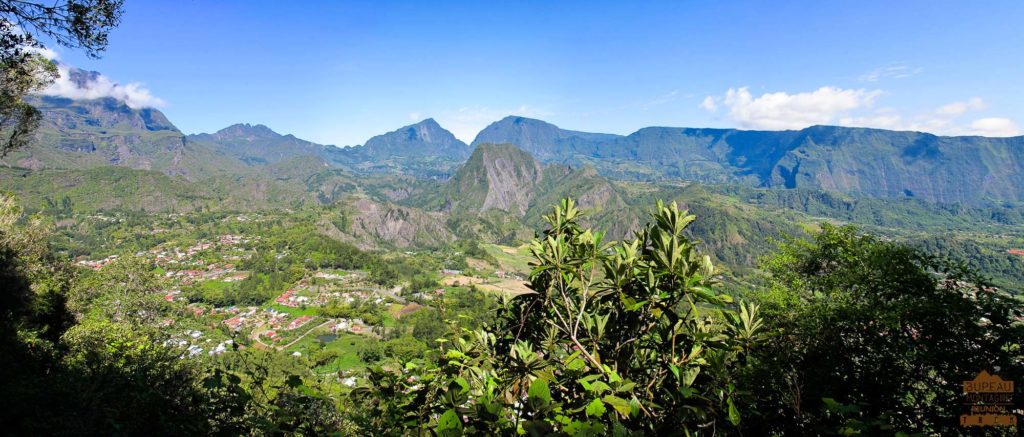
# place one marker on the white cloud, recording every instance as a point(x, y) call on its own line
point(957, 109)
point(468, 121)
point(891, 72)
point(781, 110)
point(995, 127)
point(45, 52)
point(415, 116)
point(709, 104)
point(134, 94)
point(854, 108)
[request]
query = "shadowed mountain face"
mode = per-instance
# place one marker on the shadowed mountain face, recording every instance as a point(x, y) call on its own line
point(426, 138)
point(856, 161)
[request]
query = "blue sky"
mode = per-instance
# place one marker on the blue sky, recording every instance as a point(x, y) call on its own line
point(339, 72)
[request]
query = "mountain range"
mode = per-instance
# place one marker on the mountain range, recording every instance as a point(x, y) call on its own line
point(853, 161)
point(419, 186)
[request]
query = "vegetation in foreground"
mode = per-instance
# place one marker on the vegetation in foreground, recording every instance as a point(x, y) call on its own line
point(851, 335)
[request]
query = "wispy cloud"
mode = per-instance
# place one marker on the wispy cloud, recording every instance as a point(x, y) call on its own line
point(957, 109)
point(660, 100)
point(947, 119)
point(891, 72)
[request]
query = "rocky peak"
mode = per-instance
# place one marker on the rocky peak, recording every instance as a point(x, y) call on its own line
point(426, 138)
point(246, 132)
point(501, 177)
point(82, 78)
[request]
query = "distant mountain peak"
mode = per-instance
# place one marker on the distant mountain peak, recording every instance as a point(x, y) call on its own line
point(425, 138)
point(246, 131)
point(538, 137)
point(82, 78)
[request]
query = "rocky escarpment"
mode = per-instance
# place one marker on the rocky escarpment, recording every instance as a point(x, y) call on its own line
point(856, 161)
point(396, 225)
point(501, 177)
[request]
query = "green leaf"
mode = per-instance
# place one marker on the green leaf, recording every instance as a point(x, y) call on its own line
point(539, 395)
point(595, 408)
point(449, 424)
point(598, 387)
point(734, 414)
point(619, 404)
point(574, 362)
point(690, 374)
point(462, 383)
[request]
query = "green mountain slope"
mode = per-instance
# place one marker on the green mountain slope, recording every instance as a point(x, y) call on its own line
point(856, 161)
point(424, 149)
point(78, 134)
point(257, 144)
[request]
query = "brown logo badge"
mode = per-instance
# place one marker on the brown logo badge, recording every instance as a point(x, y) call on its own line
point(990, 399)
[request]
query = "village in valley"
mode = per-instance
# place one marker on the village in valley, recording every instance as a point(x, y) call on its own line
point(294, 306)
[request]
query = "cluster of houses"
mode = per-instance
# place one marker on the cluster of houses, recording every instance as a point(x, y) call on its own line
point(430, 295)
point(290, 299)
point(187, 342)
point(509, 275)
point(355, 326)
point(241, 319)
point(96, 265)
point(276, 323)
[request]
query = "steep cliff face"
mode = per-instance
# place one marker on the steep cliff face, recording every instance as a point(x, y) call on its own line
point(500, 177)
point(81, 134)
point(887, 164)
point(396, 225)
point(856, 161)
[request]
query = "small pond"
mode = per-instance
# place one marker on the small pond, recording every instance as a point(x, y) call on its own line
point(326, 338)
